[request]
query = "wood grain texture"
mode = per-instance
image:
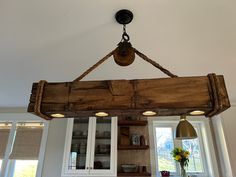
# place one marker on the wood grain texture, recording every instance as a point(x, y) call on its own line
point(140, 157)
point(167, 96)
point(124, 138)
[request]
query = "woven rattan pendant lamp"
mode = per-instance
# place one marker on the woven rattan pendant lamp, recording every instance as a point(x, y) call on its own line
point(151, 97)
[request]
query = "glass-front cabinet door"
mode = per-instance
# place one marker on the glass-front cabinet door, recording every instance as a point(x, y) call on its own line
point(90, 147)
point(103, 156)
point(79, 142)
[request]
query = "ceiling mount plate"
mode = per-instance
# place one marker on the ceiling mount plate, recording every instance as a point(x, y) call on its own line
point(124, 16)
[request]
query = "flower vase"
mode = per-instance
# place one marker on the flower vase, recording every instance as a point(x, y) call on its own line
point(183, 171)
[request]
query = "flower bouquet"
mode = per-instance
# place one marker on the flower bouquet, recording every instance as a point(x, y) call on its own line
point(182, 156)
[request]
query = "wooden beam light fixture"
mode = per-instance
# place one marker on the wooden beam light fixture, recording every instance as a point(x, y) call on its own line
point(205, 95)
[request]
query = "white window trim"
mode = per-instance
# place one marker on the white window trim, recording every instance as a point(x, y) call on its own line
point(221, 145)
point(207, 142)
point(22, 117)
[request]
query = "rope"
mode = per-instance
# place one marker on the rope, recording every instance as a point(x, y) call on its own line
point(141, 55)
point(41, 84)
point(144, 57)
point(94, 66)
point(38, 100)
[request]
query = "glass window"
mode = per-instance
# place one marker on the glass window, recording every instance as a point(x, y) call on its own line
point(164, 146)
point(0, 164)
point(5, 128)
point(25, 168)
point(165, 143)
point(195, 159)
point(27, 141)
point(20, 146)
point(77, 158)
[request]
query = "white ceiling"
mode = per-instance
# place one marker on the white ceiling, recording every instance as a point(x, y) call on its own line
point(56, 40)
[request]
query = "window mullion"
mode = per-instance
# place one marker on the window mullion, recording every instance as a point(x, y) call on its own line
point(5, 163)
point(11, 167)
point(202, 149)
point(177, 143)
point(42, 150)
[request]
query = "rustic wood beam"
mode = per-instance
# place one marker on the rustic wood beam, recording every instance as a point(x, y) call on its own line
point(166, 96)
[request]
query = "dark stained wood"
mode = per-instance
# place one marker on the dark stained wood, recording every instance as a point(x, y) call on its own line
point(124, 138)
point(219, 96)
point(126, 59)
point(167, 96)
point(132, 147)
point(132, 122)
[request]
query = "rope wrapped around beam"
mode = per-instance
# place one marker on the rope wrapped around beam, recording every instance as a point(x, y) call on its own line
point(38, 100)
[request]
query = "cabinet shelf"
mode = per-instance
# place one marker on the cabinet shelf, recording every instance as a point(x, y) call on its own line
point(100, 155)
point(132, 122)
point(79, 137)
point(132, 147)
point(97, 137)
point(103, 137)
point(134, 174)
point(81, 155)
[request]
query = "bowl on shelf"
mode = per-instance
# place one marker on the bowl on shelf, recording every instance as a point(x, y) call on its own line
point(129, 168)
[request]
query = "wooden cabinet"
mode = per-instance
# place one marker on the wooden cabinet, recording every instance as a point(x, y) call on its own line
point(91, 147)
point(132, 153)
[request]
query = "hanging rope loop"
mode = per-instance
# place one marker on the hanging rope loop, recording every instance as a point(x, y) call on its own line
point(141, 55)
point(94, 66)
point(144, 57)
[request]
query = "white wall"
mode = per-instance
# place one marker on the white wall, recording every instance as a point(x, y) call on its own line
point(228, 120)
point(54, 149)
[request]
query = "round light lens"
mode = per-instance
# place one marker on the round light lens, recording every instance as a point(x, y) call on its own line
point(197, 112)
point(57, 115)
point(149, 113)
point(101, 114)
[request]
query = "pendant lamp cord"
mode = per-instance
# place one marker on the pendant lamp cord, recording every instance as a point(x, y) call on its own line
point(141, 55)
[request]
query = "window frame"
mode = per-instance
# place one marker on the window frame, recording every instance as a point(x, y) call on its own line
point(205, 141)
point(198, 126)
point(14, 118)
point(163, 125)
